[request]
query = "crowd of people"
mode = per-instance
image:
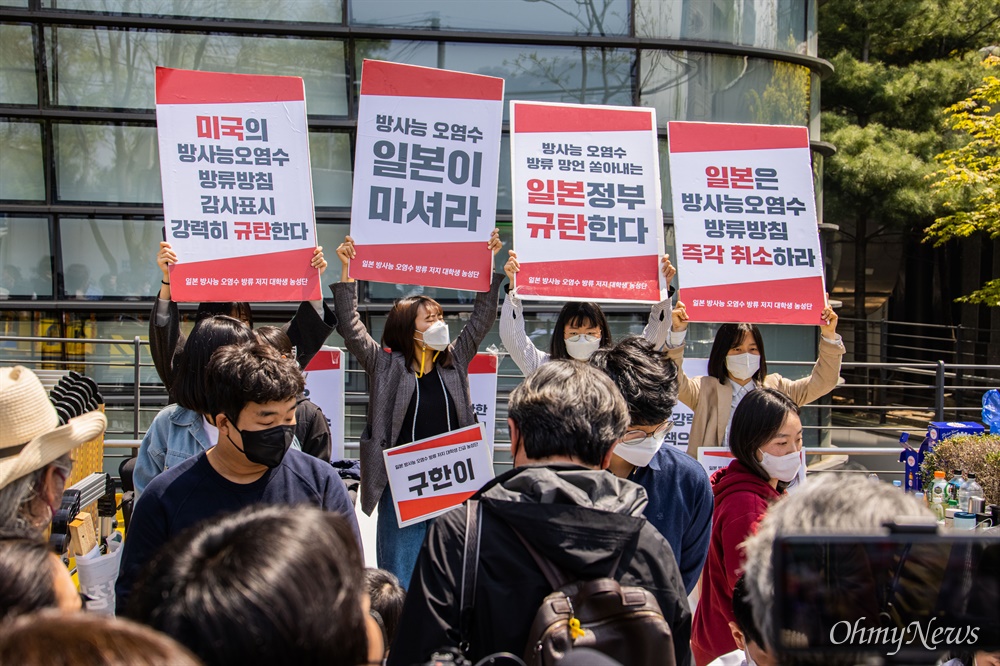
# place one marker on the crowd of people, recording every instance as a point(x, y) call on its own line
point(244, 544)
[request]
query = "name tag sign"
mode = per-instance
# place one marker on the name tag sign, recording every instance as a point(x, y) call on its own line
point(483, 391)
point(682, 415)
point(325, 387)
point(713, 458)
point(434, 475)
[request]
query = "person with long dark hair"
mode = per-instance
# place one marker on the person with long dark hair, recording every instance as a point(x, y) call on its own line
point(581, 327)
point(736, 366)
point(766, 442)
point(418, 386)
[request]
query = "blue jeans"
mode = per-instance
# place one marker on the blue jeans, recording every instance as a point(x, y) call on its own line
point(397, 548)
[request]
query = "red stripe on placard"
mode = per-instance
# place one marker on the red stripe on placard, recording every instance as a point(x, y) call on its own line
point(613, 270)
point(389, 78)
point(484, 364)
point(405, 260)
point(686, 137)
point(184, 86)
point(288, 266)
point(463, 436)
point(717, 454)
point(325, 360)
point(753, 296)
point(529, 117)
point(409, 509)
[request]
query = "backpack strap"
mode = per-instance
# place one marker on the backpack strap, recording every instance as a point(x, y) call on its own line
point(555, 576)
point(470, 567)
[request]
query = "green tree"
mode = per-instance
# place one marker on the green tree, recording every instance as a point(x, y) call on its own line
point(970, 175)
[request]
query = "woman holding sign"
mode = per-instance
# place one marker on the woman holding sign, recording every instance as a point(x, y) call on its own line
point(418, 387)
point(580, 330)
point(737, 366)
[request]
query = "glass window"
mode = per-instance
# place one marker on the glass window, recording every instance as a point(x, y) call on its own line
point(108, 163)
point(23, 177)
point(595, 17)
point(25, 258)
point(111, 259)
point(17, 65)
point(330, 156)
point(539, 73)
point(769, 24)
point(666, 203)
point(710, 87)
point(116, 68)
point(297, 11)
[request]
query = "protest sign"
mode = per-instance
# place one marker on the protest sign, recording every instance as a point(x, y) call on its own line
point(483, 390)
point(713, 458)
point(237, 186)
point(325, 387)
point(682, 415)
point(425, 176)
point(745, 223)
point(434, 475)
point(586, 196)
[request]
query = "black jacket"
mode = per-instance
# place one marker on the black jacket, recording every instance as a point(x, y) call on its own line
point(311, 429)
point(577, 517)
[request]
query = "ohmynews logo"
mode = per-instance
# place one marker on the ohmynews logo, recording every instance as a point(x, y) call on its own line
point(931, 637)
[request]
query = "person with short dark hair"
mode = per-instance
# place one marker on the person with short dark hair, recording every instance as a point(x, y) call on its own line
point(766, 442)
point(680, 496)
point(751, 649)
point(253, 403)
point(32, 577)
point(83, 639)
point(264, 585)
point(387, 597)
point(564, 421)
point(737, 366)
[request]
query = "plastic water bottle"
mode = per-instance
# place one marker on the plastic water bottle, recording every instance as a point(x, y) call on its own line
point(939, 490)
point(970, 488)
point(897, 484)
point(954, 485)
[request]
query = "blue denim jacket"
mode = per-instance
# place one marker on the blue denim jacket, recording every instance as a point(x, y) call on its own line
point(176, 434)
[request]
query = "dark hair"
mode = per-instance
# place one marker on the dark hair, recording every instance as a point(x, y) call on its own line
point(387, 597)
point(743, 614)
point(729, 336)
point(274, 336)
point(567, 408)
point(87, 639)
point(757, 419)
point(189, 388)
point(26, 584)
point(401, 324)
point(239, 311)
point(268, 584)
point(646, 378)
point(252, 372)
point(575, 313)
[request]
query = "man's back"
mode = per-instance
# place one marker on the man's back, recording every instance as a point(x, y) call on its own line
point(580, 519)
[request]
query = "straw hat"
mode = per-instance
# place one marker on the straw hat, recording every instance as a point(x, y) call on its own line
point(30, 434)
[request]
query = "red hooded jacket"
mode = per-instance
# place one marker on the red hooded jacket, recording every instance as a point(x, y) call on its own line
point(741, 499)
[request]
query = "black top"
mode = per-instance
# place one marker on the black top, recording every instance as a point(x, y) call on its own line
point(433, 412)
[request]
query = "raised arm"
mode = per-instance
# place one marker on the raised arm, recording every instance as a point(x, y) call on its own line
point(515, 340)
point(165, 337)
point(688, 388)
point(484, 313)
point(826, 371)
point(313, 322)
point(345, 308)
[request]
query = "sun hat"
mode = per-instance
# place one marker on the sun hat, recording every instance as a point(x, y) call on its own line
point(30, 434)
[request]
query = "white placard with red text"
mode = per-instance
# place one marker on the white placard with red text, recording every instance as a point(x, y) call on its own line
point(237, 186)
point(586, 196)
point(434, 475)
point(325, 387)
point(745, 223)
point(683, 416)
point(714, 458)
point(426, 169)
point(483, 390)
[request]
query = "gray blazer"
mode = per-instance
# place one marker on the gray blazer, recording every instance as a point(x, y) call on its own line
point(391, 383)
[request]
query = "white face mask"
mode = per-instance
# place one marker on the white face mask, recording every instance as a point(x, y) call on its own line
point(743, 366)
point(783, 468)
point(437, 336)
point(641, 452)
point(581, 347)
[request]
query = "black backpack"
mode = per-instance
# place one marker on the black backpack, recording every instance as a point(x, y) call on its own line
point(623, 622)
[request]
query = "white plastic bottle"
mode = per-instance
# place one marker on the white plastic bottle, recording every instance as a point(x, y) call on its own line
point(970, 488)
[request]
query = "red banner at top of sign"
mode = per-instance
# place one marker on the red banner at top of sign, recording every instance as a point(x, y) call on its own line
point(685, 137)
point(528, 117)
point(393, 79)
point(182, 86)
point(325, 359)
point(484, 364)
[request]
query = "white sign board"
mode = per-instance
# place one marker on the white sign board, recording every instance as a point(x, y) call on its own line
point(713, 458)
point(483, 390)
point(682, 415)
point(325, 387)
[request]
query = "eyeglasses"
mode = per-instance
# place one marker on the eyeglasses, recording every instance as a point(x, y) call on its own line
point(636, 436)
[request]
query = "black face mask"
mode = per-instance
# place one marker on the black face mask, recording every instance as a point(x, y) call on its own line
point(266, 447)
